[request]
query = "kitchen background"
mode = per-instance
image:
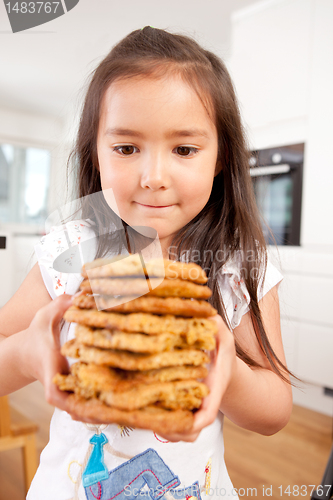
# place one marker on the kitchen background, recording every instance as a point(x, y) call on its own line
point(279, 53)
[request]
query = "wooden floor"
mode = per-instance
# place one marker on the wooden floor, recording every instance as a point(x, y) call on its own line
point(294, 457)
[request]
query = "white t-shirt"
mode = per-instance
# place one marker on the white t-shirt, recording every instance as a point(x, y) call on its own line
point(130, 463)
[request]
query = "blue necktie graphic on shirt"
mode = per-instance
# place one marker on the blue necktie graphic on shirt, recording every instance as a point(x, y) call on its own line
point(96, 469)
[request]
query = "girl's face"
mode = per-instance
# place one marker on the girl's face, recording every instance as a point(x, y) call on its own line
point(157, 150)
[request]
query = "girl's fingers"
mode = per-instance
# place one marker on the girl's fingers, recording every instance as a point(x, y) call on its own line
point(54, 311)
point(58, 398)
point(45, 327)
point(219, 376)
point(58, 307)
point(55, 397)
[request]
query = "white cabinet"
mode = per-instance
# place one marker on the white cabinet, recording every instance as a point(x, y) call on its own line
point(16, 260)
point(314, 354)
point(306, 300)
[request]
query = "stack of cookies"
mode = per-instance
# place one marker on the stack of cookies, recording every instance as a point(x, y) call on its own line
point(141, 339)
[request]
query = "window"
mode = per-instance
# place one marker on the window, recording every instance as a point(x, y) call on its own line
point(24, 184)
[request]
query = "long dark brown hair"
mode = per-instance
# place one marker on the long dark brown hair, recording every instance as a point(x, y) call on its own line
point(228, 227)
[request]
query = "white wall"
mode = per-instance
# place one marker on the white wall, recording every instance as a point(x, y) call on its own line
point(282, 68)
point(317, 227)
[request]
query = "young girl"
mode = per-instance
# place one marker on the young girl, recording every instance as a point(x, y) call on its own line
point(161, 128)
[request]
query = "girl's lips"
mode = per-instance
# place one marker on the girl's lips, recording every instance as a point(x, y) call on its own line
point(154, 206)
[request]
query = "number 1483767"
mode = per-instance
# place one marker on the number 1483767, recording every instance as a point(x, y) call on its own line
point(32, 7)
point(306, 490)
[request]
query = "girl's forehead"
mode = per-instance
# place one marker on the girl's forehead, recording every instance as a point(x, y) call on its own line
point(149, 86)
point(169, 95)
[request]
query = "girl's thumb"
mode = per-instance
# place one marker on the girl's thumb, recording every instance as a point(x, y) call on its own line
point(58, 308)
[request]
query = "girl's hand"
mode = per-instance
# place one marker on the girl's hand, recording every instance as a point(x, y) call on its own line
point(221, 371)
point(44, 358)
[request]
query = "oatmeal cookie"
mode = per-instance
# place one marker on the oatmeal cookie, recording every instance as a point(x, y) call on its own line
point(183, 394)
point(103, 378)
point(140, 287)
point(154, 305)
point(150, 324)
point(157, 419)
point(131, 395)
point(132, 265)
point(133, 361)
point(140, 342)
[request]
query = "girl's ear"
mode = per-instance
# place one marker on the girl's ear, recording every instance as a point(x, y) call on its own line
point(218, 167)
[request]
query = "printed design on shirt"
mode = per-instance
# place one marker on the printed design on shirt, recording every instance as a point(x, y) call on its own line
point(124, 430)
point(145, 475)
point(241, 297)
point(55, 243)
point(160, 439)
point(93, 461)
point(59, 283)
point(73, 470)
point(238, 286)
point(237, 283)
point(208, 476)
point(96, 469)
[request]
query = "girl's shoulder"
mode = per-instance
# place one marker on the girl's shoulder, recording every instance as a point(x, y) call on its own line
point(52, 245)
point(233, 289)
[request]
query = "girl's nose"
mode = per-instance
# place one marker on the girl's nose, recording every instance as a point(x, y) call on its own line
point(155, 174)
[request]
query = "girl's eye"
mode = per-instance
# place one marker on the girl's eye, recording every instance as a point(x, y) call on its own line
point(126, 150)
point(186, 151)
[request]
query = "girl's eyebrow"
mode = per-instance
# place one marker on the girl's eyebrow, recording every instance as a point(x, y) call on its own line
point(193, 132)
point(123, 132)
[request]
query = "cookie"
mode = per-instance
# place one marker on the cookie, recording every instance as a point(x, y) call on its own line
point(104, 378)
point(139, 287)
point(154, 305)
point(170, 373)
point(132, 394)
point(134, 265)
point(183, 394)
point(134, 342)
point(156, 419)
point(150, 324)
point(133, 361)
point(99, 378)
point(138, 342)
point(65, 382)
point(113, 376)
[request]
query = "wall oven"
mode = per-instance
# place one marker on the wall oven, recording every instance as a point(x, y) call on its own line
point(277, 175)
